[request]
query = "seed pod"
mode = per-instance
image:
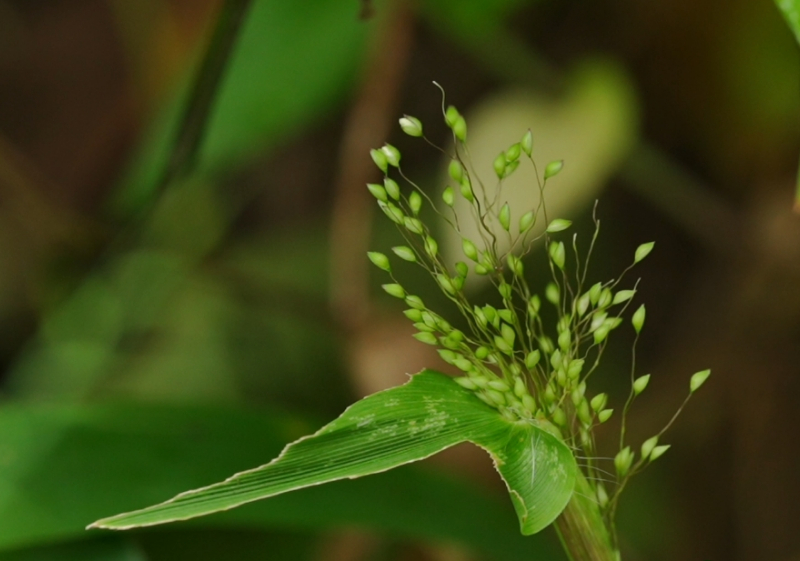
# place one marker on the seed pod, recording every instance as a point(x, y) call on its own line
point(575, 368)
point(421, 326)
point(460, 129)
point(413, 225)
point(428, 319)
point(480, 380)
point(658, 451)
point(552, 294)
point(392, 154)
point(469, 249)
point(380, 159)
point(552, 169)
point(505, 217)
point(558, 254)
point(564, 340)
point(532, 359)
point(448, 356)
point(623, 296)
point(481, 352)
point(392, 212)
point(526, 221)
point(623, 461)
point(643, 251)
point(481, 270)
point(431, 247)
point(584, 414)
point(599, 401)
point(415, 302)
point(414, 202)
point(394, 290)
point(527, 143)
point(648, 446)
point(602, 495)
point(500, 165)
point(498, 397)
point(456, 336)
point(379, 260)
point(598, 319)
point(546, 345)
point(601, 333)
point(491, 313)
point(506, 315)
point(392, 188)
point(604, 415)
point(499, 385)
point(411, 125)
point(594, 293)
point(529, 403)
point(413, 314)
point(465, 382)
point(377, 191)
point(466, 189)
point(583, 304)
point(502, 345)
point(462, 269)
point(558, 225)
point(447, 196)
point(605, 298)
point(556, 360)
point(638, 319)
point(458, 282)
point(513, 152)
point(505, 290)
point(406, 253)
point(559, 417)
point(508, 333)
point(698, 379)
point(462, 364)
point(425, 337)
point(535, 304)
point(510, 168)
point(640, 384)
point(446, 284)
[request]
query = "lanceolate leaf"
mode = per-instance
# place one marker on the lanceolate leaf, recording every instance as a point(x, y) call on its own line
point(390, 429)
point(791, 12)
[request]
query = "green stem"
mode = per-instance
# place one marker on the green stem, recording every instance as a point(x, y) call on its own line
point(582, 530)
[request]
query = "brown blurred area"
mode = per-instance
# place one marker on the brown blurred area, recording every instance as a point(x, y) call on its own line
point(710, 176)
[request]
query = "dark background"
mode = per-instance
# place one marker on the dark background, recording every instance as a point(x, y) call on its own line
point(156, 336)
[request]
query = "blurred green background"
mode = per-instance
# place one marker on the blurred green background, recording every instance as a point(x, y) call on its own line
point(160, 335)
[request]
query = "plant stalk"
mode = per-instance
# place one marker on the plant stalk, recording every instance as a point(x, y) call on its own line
point(582, 530)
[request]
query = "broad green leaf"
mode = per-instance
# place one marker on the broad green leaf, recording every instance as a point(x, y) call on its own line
point(387, 430)
point(791, 12)
point(65, 466)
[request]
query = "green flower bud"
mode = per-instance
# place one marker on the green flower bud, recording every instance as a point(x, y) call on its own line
point(550, 394)
point(425, 337)
point(405, 253)
point(546, 345)
point(499, 385)
point(515, 264)
point(394, 290)
point(379, 260)
point(431, 247)
point(377, 191)
point(415, 302)
point(424, 327)
point(413, 225)
point(564, 340)
point(551, 293)
point(643, 251)
point(470, 250)
point(460, 129)
point(451, 116)
point(534, 305)
point(529, 403)
point(598, 319)
point(428, 319)
point(638, 319)
point(556, 360)
point(466, 189)
point(482, 270)
point(500, 165)
point(583, 304)
point(504, 217)
point(413, 314)
point(605, 298)
point(532, 359)
point(599, 401)
point(584, 414)
point(447, 196)
point(602, 495)
point(604, 415)
point(462, 269)
point(698, 379)
point(482, 352)
point(392, 188)
point(496, 396)
point(505, 290)
point(559, 417)
point(520, 389)
point(446, 284)
point(552, 169)
point(463, 364)
point(623, 461)
point(558, 225)
point(658, 451)
point(414, 202)
point(511, 168)
point(601, 333)
point(575, 368)
point(526, 221)
point(506, 315)
point(380, 160)
point(558, 254)
point(640, 384)
point(392, 212)
point(392, 154)
point(508, 334)
point(490, 313)
point(411, 125)
point(455, 170)
point(502, 345)
point(648, 446)
point(448, 356)
point(465, 382)
point(527, 143)
point(623, 296)
point(594, 293)
point(513, 153)
point(479, 380)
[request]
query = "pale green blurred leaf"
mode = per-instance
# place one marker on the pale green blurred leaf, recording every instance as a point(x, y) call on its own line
point(791, 12)
point(387, 430)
